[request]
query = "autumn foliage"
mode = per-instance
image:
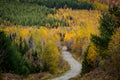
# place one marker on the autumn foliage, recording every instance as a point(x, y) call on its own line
point(36, 46)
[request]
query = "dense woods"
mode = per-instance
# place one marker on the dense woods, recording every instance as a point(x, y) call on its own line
point(27, 51)
point(27, 15)
point(32, 33)
point(34, 13)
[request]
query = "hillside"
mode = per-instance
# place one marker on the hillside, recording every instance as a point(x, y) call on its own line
point(33, 34)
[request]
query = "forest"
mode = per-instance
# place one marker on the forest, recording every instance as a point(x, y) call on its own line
point(38, 36)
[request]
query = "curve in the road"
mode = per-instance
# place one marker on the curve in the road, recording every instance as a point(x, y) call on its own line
point(74, 64)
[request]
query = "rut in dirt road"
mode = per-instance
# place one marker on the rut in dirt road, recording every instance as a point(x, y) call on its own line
point(74, 64)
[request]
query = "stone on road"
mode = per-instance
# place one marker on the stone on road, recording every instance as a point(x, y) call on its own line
point(74, 65)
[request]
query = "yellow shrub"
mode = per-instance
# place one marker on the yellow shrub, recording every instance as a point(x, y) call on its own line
point(92, 54)
point(50, 57)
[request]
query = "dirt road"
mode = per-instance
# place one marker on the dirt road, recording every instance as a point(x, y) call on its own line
point(74, 64)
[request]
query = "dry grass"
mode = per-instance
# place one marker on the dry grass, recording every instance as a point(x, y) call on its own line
point(97, 74)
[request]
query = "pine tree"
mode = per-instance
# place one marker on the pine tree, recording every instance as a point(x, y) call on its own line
point(10, 58)
point(108, 23)
point(86, 66)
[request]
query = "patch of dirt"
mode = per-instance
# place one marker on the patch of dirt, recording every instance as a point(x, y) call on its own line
point(37, 76)
point(9, 76)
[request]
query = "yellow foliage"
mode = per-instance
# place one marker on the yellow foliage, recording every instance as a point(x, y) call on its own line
point(70, 35)
point(80, 25)
point(50, 56)
point(92, 54)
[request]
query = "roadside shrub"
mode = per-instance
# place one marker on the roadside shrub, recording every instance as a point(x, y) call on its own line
point(50, 57)
point(91, 59)
point(86, 67)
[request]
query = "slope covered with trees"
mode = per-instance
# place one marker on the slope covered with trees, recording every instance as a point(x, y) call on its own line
point(35, 13)
point(16, 13)
point(106, 46)
point(32, 33)
point(30, 50)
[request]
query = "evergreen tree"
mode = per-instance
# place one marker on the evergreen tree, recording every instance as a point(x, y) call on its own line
point(23, 47)
point(10, 59)
point(86, 66)
point(108, 23)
